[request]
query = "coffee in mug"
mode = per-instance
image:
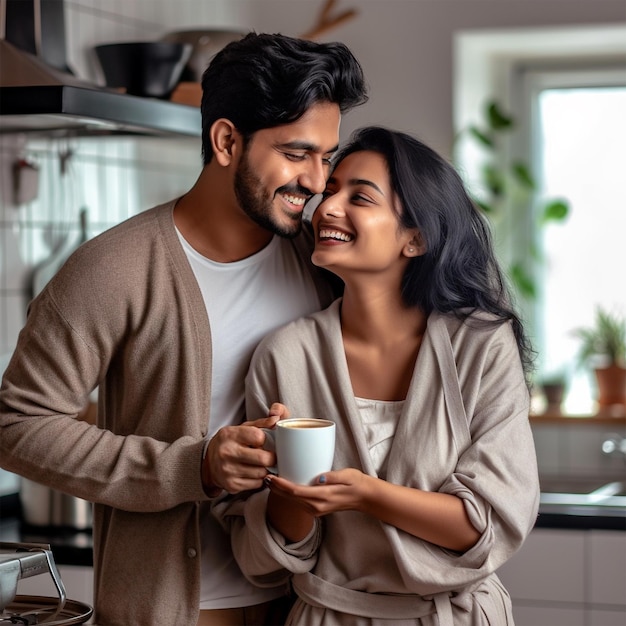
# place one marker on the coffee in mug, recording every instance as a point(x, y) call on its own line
point(299, 422)
point(304, 446)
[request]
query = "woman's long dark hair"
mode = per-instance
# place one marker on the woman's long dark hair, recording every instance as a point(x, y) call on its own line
point(459, 273)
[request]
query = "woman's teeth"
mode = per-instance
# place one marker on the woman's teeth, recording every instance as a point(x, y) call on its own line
point(335, 234)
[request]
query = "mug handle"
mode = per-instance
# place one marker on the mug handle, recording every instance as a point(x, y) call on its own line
point(270, 445)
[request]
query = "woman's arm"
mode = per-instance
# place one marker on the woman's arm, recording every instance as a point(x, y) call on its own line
point(288, 517)
point(438, 518)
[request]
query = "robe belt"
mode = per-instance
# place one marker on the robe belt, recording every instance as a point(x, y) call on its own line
point(322, 594)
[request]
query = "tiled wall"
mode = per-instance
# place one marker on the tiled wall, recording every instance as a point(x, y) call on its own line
point(111, 178)
point(576, 449)
point(93, 22)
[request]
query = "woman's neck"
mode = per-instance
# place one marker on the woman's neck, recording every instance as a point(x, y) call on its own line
point(379, 317)
point(381, 338)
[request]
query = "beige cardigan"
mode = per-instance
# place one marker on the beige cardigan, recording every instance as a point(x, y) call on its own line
point(125, 314)
point(464, 430)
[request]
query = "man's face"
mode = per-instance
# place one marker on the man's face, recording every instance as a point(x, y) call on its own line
point(284, 166)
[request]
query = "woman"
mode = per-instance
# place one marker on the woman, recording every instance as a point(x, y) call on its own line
point(422, 365)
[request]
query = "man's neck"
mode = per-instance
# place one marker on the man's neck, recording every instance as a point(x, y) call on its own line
point(210, 220)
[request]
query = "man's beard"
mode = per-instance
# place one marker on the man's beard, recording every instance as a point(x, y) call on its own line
point(256, 202)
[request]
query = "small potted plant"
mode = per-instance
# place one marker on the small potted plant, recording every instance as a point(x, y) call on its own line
point(553, 388)
point(603, 349)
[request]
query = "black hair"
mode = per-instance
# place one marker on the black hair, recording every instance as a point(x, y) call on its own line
point(262, 81)
point(459, 273)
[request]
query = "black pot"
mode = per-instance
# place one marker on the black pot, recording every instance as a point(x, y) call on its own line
point(149, 68)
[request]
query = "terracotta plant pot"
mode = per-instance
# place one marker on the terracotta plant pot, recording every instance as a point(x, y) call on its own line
point(611, 385)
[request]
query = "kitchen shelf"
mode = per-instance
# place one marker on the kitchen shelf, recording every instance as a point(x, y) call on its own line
point(67, 109)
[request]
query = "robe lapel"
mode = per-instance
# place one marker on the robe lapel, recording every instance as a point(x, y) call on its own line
point(451, 384)
point(351, 447)
point(432, 431)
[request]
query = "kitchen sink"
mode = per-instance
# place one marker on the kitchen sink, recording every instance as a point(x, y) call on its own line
point(584, 495)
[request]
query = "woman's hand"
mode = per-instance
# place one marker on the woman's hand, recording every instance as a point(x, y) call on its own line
point(439, 518)
point(292, 508)
point(341, 490)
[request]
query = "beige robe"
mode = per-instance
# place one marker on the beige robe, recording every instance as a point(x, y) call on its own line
point(464, 430)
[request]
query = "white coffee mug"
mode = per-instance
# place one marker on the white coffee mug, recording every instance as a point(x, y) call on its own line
point(304, 446)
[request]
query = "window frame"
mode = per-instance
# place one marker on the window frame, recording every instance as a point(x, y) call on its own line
point(489, 65)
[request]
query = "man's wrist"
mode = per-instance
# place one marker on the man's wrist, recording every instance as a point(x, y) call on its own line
point(212, 490)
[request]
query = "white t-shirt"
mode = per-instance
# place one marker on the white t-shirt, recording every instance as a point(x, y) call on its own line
point(245, 300)
point(380, 420)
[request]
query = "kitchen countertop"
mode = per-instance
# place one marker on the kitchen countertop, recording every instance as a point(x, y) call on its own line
point(71, 547)
point(576, 518)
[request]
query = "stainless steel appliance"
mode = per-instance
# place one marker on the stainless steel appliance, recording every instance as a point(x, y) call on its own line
point(42, 506)
point(24, 560)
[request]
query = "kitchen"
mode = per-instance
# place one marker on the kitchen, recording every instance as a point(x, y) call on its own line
point(114, 177)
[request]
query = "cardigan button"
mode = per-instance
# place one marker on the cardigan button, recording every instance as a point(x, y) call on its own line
point(192, 553)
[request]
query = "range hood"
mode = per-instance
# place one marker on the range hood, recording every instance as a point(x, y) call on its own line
point(36, 97)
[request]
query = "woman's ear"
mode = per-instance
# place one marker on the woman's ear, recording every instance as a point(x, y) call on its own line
point(223, 136)
point(416, 246)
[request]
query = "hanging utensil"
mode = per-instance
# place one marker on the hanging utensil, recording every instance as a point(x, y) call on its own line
point(50, 266)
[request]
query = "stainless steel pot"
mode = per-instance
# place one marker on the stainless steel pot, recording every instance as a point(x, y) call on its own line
point(206, 44)
point(24, 560)
point(42, 506)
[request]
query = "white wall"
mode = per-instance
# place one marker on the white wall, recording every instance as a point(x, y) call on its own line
point(405, 46)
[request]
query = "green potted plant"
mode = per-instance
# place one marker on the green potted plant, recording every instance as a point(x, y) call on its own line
point(603, 350)
point(506, 181)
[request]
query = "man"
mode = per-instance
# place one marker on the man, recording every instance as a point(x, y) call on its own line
point(162, 313)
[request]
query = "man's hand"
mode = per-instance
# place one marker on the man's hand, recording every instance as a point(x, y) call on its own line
point(279, 410)
point(235, 459)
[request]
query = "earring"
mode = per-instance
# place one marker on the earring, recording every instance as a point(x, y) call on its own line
point(411, 249)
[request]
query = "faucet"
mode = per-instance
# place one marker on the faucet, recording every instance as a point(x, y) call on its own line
point(614, 444)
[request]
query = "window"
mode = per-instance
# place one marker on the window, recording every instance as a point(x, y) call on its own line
point(577, 145)
point(565, 87)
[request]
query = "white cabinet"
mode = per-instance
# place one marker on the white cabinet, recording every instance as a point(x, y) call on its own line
point(569, 577)
point(548, 567)
point(606, 618)
point(548, 616)
point(607, 568)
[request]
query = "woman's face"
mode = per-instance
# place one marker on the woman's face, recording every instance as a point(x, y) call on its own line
point(357, 227)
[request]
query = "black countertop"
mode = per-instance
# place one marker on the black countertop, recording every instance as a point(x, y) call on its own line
point(71, 547)
point(581, 520)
